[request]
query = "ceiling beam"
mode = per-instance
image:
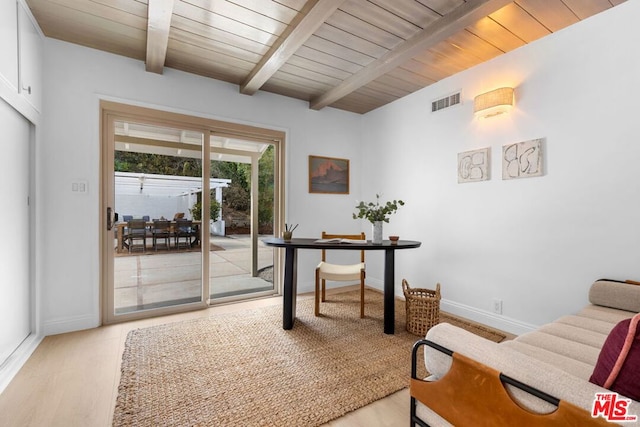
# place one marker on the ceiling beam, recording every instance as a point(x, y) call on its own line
point(158, 24)
point(311, 17)
point(444, 27)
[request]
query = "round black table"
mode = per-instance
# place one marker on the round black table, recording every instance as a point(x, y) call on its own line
point(290, 272)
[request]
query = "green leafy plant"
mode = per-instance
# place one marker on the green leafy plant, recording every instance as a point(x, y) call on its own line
point(377, 212)
point(196, 210)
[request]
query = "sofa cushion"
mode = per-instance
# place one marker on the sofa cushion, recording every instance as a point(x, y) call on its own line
point(620, 295)
point(568, 364)
point(609, 316)
point(575, 333)
point(617, 366)
point(564, 347)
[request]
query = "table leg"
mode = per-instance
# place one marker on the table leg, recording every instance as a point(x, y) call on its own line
point(196, 237)
point(290, 288)
point(389, 291)
point(119, 231)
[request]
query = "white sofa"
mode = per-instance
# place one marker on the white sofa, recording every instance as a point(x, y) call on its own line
point(558, 358)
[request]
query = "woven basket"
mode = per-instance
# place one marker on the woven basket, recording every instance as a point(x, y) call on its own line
point(423, 308)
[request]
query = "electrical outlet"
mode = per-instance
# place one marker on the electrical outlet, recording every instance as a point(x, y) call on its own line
point(497, 306)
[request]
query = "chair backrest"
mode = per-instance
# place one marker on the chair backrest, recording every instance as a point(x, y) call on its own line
point(326, 235)
point(137, 224)
point(159, 224)
point(127, 218)
point(184, 225)
point(146, 217)
point(178, 216)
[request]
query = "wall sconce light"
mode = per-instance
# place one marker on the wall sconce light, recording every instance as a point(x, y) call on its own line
point(492, 103)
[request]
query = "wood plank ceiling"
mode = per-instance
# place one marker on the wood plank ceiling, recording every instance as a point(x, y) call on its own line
point(355, 55)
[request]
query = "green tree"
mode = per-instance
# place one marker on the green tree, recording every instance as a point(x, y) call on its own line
point(214, 211)
point(238, 194)
point(266, 185)
point(127, 161)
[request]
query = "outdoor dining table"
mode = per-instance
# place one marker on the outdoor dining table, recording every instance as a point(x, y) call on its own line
point(120, 226)
point(290, 272)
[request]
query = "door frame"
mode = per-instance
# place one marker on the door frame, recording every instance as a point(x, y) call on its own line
point(111, 111)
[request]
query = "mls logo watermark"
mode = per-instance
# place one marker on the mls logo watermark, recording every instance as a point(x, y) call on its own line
point(612, 407)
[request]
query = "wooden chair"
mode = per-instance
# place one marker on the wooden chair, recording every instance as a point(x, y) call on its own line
point(125, 231)
point(339, 272)
point(184, 229)
point(161, 230)
point(137, 230)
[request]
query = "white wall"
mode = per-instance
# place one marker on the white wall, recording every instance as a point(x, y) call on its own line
point(75, 79)
point(535, 243)
point(154, 206)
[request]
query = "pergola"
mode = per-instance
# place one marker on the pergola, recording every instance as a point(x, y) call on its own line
point(153, 185)
point(163, 195)
point(244, 147)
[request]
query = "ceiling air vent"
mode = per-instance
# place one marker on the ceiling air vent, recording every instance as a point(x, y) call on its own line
point(446, 102)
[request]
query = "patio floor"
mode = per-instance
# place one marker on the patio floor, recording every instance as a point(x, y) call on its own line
point(155, 279)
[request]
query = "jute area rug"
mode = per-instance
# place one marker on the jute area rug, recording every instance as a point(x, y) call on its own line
point(243, 369)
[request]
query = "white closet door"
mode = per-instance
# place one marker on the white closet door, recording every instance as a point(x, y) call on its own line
point(15, 312)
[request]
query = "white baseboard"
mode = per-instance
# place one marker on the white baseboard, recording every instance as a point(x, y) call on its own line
point(497, 321)
point(68, 324)
point(18, 358)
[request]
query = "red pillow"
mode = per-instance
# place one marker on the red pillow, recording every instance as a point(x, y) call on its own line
point(618, 366)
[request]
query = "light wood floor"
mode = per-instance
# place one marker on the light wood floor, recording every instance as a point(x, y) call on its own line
point(72, 379)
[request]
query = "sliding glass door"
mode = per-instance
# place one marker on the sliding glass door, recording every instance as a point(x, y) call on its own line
point(244, 266)
point(154, 183)
point(179, 232)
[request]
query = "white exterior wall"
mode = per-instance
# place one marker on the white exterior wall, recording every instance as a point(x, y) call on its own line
point(155, 207)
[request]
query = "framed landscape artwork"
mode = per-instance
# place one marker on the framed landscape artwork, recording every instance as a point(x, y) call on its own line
point(328, 175)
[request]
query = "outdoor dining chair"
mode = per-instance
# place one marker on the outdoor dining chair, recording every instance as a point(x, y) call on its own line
point(137, 231)
point(124, 230)
point(160, 230)
point(184, 229)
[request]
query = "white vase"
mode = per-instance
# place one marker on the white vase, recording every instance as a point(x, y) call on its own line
point(377, 233)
